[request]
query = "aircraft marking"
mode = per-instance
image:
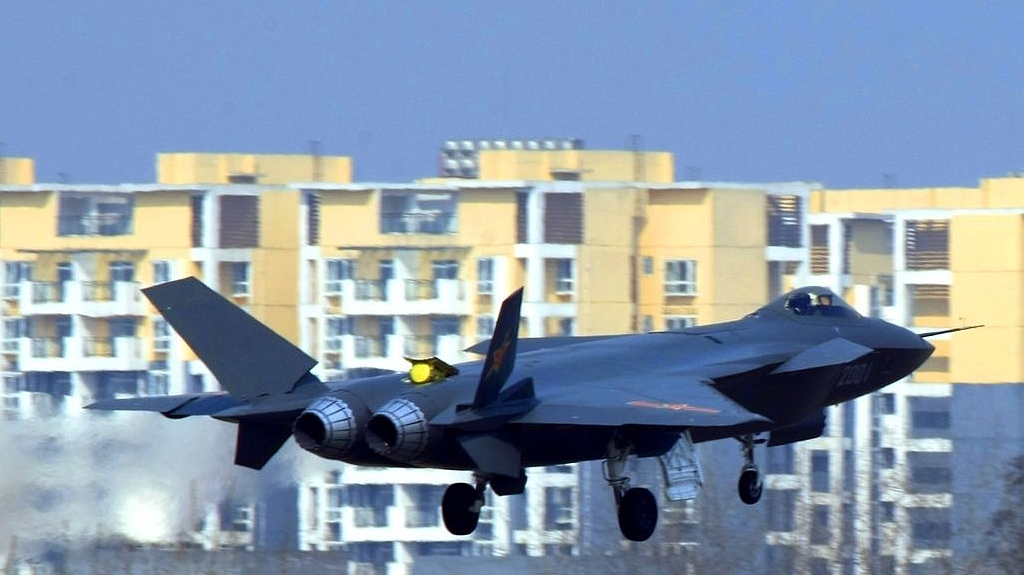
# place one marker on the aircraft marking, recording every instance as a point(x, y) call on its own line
point(499, 354)
point(673, 406)
point(855, 374)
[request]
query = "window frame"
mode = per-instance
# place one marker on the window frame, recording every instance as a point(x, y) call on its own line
point(680, 277)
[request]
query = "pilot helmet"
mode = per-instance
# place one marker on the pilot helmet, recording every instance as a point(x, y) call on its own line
point(799, 302)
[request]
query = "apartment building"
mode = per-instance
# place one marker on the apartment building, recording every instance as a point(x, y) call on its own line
point(364, 275)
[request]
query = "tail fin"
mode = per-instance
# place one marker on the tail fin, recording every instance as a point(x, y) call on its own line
point(501, 354)
point(246, 357)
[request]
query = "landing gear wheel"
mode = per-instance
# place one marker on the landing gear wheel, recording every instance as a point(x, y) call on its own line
point(460, 508)
point(638, 514)
point(750, 487)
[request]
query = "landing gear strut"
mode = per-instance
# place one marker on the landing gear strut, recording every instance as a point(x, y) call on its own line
point(637, 508)
point(750, 484)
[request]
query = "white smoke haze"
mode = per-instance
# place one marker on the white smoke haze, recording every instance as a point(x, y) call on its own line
point(92, 475)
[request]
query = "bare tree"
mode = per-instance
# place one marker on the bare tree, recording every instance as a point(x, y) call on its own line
point(1005, 553)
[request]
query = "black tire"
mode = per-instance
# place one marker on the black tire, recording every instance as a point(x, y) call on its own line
point(750, 487)
point(457, 509)
point(638, 514)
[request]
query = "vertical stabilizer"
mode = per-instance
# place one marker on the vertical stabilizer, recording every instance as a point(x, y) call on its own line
point(247, 358)
point(501, 354)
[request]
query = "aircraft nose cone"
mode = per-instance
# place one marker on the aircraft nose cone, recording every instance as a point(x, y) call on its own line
point(913, 350)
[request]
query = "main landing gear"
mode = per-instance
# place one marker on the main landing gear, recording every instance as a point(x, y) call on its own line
point(637, 507)
point(462, 502)
point(750, 484)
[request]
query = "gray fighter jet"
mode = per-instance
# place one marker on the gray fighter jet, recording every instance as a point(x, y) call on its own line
point(765, 378)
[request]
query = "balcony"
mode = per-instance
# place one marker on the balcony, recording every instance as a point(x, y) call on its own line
point(404, 297)
point(92, 299)
point(423, 346)
point(388, 352)
point(81, 354)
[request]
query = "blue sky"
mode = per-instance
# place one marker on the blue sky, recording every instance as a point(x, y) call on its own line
point(930, 93)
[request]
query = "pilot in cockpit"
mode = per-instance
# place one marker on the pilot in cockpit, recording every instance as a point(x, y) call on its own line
point(800, 303)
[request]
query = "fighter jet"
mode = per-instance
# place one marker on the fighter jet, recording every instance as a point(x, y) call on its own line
point(765, 378)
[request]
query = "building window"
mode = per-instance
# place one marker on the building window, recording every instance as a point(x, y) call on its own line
point(781, 459)
point(559, 508)
point(445, 325)
point(239, 221)
point(886, 403)
point(161, 335)
point(681, 277)
point(123, 327)
point(198, 219)
point(781, 559)
point(95, 214)
point(566, 326)
point(122, 273)
point(484, 327)
point(485, 276)
point(648, 265)
point(930, 472)
point(887, 458)
point(563, 218)
point(929, 527)
point(156, 383)
point(240, 279)
point(371, 504)
point(14, 274)
point(679, 322)
point(780, 510)
point(927, 244)
point(445, 269)
point(820, 257)
point(14, 330)
point(886, 511)
point(312, 218)
point(161, 271)
point(337, 327)
point(338, 270)
point(819, 472)
point(819, 525)
point(929, 417)
point(565, 276)
point(785, 220)
point(427, 212)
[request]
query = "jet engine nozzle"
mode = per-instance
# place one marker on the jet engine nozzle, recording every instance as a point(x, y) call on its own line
point(330, 426)
point(400, 430)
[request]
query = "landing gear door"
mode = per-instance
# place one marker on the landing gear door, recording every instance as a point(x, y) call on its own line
point(681, 466)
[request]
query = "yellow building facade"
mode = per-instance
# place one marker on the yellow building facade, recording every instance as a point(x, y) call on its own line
point(940, 257)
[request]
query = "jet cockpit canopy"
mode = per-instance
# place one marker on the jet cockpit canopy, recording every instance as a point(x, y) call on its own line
point(813, 300)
